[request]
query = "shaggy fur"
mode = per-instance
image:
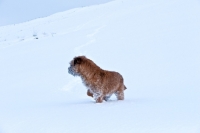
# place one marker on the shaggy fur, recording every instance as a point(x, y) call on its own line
point(101, 83)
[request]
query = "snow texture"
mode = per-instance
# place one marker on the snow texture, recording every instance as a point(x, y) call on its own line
point(154, 44)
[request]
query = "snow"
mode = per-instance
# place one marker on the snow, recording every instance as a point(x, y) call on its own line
point(154, 44)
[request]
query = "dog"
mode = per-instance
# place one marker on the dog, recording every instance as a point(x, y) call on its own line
point(101, 84)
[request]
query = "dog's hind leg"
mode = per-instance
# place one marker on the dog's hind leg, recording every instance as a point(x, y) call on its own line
point(120, 93)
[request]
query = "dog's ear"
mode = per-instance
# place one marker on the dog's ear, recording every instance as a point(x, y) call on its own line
point(77, 61)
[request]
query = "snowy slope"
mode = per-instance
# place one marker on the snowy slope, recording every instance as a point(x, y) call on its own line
point(154, 44)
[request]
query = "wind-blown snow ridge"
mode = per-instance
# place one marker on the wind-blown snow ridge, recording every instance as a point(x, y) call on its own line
point(92, 40)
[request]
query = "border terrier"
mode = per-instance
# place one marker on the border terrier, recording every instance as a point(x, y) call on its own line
point(101, 84)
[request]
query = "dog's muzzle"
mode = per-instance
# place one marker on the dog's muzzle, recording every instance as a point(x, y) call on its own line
point(71, 71)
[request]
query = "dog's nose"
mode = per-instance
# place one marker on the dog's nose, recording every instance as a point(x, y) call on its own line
point(69, 69)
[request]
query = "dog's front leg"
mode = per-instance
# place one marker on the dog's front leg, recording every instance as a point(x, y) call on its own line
point(89, 93)
point(98, 98)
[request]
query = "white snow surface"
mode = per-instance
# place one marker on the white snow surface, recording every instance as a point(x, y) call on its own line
point(154, 44)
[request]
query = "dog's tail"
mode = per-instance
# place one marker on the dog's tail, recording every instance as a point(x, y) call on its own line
point(125, 87)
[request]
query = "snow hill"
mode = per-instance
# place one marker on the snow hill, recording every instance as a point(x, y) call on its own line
point(154, 44)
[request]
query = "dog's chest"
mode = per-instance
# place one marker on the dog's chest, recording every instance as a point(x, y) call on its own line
point(94, 86)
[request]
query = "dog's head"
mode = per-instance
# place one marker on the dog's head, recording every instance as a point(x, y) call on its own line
point(75, 65)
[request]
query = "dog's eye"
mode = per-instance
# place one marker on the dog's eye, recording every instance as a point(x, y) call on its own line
point(77, 61)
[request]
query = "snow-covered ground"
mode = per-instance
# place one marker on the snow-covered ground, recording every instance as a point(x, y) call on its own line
point(154, 44)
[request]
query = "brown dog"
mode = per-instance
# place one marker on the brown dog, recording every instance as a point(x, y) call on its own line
point(101, 83)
